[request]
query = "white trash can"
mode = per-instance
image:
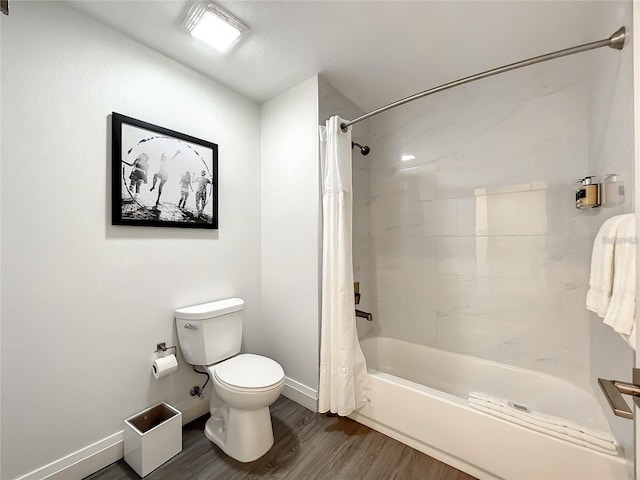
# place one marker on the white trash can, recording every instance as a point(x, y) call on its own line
point(152, 437)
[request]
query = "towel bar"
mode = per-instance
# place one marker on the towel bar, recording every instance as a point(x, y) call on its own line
point(613, 390)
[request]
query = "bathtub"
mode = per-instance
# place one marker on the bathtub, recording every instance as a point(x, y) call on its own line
point(419, 397)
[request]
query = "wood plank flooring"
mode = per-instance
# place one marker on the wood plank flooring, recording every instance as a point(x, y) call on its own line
point(308, 446)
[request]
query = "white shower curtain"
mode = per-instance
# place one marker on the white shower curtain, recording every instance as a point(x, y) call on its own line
point(343, 372)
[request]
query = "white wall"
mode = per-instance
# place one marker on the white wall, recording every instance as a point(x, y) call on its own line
point(84, 303)
point(291, 237)
point(611, 151)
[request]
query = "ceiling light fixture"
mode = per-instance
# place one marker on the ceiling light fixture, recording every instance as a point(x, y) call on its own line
point(212, 25)
point(407, 157)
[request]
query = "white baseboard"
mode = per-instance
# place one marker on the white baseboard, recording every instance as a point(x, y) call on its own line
point(301, 394)
point(83, 462)
point(96, 456)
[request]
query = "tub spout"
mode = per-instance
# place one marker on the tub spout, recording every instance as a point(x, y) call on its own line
point(365, 315)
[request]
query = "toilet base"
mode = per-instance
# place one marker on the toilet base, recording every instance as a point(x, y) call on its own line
point(246, 436)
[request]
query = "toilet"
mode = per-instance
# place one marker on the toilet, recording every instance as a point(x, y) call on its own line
point(244, 385)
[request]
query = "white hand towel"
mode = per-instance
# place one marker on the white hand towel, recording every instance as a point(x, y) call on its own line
point(518, 421)
point(621, 313)
point(541, 422)
point(539, 417)
point(601, 277)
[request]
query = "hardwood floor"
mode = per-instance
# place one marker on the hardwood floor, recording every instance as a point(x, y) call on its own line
point(308, 446)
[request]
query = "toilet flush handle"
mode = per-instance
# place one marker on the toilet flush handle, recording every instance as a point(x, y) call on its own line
point(190, 327)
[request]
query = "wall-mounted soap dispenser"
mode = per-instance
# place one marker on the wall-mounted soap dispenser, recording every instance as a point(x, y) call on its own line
point(613, 190)
point(588, 193)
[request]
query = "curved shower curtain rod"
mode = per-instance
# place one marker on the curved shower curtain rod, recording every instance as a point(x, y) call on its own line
point(614, 41)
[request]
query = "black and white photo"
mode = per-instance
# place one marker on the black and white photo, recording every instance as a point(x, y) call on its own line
point(162, 177)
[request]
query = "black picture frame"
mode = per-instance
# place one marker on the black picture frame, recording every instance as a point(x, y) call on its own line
point(152, 176)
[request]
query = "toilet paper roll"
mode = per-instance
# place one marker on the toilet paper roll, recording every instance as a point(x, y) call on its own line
point(163, 366)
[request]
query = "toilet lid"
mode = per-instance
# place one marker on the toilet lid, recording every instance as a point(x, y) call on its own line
point(249, 371)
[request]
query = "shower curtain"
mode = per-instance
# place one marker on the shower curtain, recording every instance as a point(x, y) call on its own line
point(343, 372)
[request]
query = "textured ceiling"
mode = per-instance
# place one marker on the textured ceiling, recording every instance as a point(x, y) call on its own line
point(374, 52)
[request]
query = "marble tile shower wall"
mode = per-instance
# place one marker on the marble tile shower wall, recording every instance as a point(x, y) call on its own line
point(362, 258)
point(476, 245)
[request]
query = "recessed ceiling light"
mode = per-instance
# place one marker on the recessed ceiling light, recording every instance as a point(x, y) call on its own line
point(211, 25)
point(407, 157)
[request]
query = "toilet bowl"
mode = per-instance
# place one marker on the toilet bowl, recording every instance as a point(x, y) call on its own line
point(240, 422)
point(244, 386)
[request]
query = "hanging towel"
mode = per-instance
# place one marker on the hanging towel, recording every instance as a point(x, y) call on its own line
point(601, 277)
point(551, 425)
point(621, 314)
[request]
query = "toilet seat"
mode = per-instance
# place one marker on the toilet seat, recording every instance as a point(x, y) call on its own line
point(248, 390)
point(248, 372)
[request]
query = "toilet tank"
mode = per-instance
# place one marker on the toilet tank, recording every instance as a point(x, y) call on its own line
point(210, 332)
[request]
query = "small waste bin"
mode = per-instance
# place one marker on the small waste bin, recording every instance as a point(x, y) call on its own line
point(152, 437)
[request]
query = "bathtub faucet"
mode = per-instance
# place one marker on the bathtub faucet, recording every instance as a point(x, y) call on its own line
point(361, 314)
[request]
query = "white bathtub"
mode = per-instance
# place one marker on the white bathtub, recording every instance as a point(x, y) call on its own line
point(419, 397)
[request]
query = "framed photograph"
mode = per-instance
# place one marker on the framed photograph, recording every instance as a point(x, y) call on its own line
point(162, 178)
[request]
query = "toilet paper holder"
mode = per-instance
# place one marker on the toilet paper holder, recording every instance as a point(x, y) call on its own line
point(162, 347)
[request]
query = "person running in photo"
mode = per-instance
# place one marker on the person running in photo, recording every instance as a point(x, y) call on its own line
point(185, 185)
point(201, 194)
point(138, 172)
point(161, 175)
